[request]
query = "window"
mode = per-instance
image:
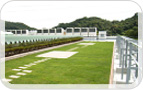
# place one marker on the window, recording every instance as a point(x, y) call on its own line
point(76, 30)
point(52, 31)
point(45, 31)
point(18, 32)
point(102, 35)
point(13, 32)
point(59, 30)
point(24, 32)
point(39, 31)
point(84, 30)
point(91, 30)
point(69, 30)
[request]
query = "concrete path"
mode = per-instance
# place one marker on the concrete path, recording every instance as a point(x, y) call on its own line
point(36, 51)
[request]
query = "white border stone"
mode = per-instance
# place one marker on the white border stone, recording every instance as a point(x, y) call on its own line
point(86, 43)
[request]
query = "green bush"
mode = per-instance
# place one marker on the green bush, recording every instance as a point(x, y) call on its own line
point(21, 47)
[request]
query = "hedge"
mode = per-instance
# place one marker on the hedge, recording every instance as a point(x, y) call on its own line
point(21, 47)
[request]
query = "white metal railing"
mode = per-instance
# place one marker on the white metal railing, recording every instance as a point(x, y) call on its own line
point(128, 57)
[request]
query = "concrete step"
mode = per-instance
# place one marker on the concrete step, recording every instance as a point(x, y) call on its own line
point(122, 81)
point(119, 70)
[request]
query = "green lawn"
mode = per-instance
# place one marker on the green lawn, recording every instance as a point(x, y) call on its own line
point(91, 65)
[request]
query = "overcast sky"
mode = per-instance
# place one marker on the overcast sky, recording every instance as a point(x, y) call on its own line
point(47, 14)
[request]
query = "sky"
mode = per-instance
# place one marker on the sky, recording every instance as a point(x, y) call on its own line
point(47, 14)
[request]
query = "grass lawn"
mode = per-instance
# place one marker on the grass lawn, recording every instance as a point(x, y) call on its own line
point(91, 65)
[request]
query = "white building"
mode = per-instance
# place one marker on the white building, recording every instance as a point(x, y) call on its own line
point(70, 31)
point(81, 31)
point(76, 31)
point(102, 34)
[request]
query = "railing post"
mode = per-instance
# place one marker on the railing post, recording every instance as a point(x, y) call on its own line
point(127, 49)
point(129, 66)
point(120, 59)
point(126, 53)
point(124, 61)
point(136, 74)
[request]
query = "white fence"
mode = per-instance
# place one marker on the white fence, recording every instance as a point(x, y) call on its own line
point(128, 58)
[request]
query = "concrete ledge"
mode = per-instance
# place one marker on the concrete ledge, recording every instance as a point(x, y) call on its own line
point(112, 66)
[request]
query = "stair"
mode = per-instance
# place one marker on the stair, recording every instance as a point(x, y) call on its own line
point(122, 81)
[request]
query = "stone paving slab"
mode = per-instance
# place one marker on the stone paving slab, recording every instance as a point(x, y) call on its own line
point(14, 76)
point(20, 73)
point(27, 71)
point(73, 49)
point(32, 64)
point(27, 65)
point(16, 69)
point(57, 54)
point(6, 80)
point(22, 67)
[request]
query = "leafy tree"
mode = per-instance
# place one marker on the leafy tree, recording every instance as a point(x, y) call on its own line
point(112, 27)
point(128, 27)
point(17, 25)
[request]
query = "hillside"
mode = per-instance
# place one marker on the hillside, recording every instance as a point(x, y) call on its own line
point(17, 25)
point(128, 27)
point(88, 22)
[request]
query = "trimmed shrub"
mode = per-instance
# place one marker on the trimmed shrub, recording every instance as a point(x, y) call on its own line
point(21, 47)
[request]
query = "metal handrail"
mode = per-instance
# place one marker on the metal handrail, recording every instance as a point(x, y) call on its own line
point(126, 48)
